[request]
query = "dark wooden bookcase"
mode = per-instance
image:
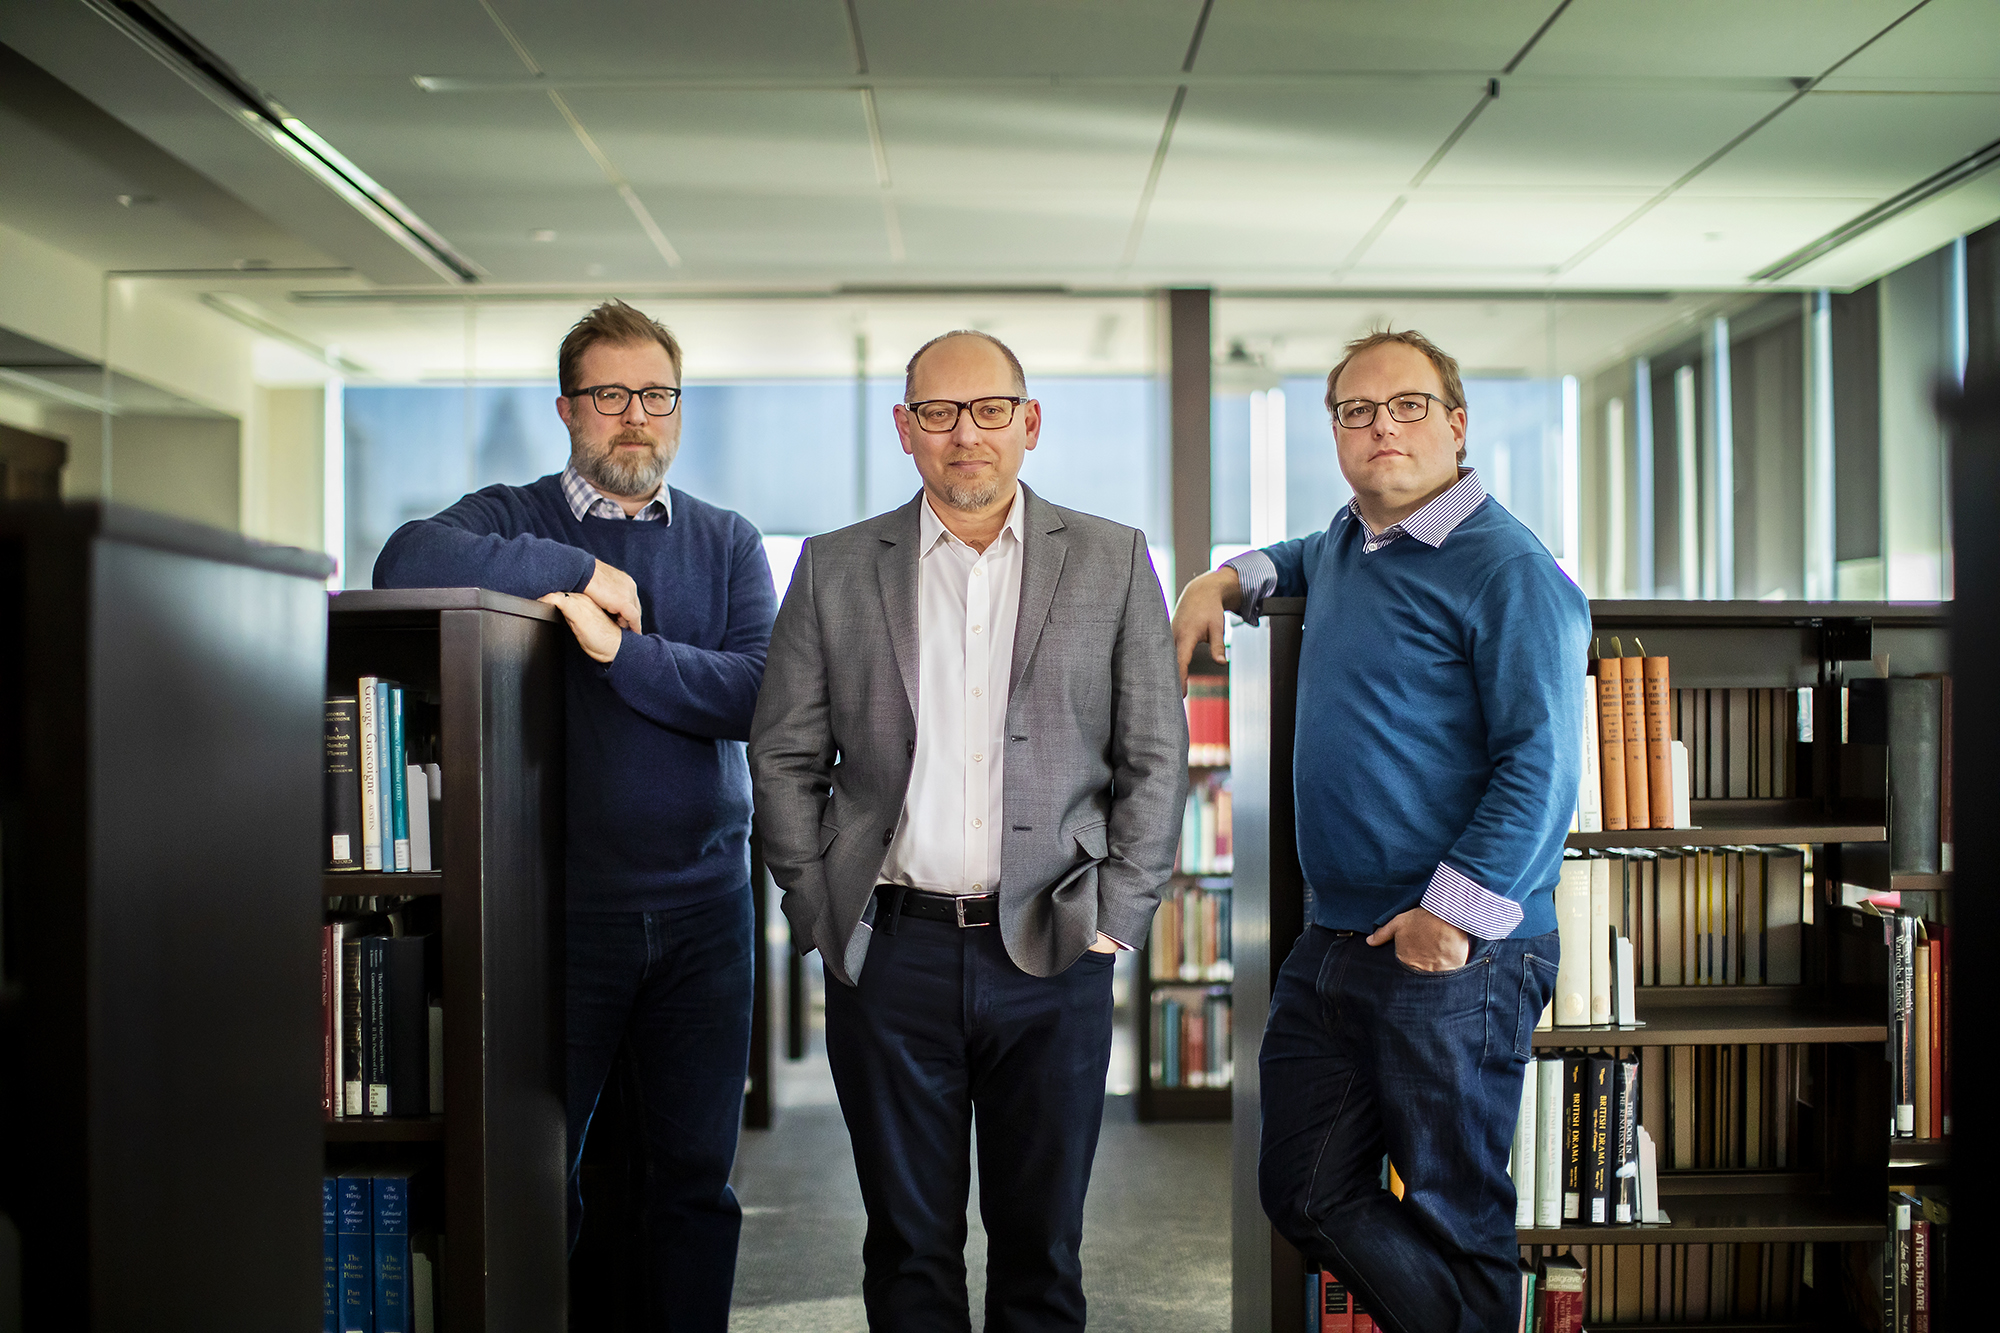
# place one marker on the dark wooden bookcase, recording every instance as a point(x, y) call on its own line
point(1835, 1192)
point(1156, 1102)
point(488, 669)
point(160, 722)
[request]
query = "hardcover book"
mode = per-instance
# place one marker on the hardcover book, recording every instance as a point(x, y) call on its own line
point(343, 783)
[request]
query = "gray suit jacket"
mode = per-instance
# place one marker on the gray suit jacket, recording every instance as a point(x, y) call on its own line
point(1096, 773)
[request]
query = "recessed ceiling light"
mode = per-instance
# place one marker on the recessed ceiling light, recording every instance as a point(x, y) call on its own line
point(542, 234)
point(137, 200)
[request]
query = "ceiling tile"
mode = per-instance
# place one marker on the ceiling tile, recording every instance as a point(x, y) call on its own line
point(771, 144)
point(1596, 137)
point(664, 38)
point(1328, 137)
point(975, 37)
point(1694, 241)
point(1060, 138)
point(1288, 36)
point(1946, 39)
point(1259, 228)
point(1707, 38)
point(1488, 235)
point(1060, 234)
point(352, 39)
point(1856, 144)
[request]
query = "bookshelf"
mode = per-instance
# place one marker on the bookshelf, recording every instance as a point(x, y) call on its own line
point(160, 714)
point(1207, 891)
point(1842, 1158)
point(484, 673)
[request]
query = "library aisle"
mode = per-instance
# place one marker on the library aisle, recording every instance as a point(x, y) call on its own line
point(1156, 1227)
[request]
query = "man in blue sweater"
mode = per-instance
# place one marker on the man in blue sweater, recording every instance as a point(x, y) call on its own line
point(670, 603)
point(1438, 753)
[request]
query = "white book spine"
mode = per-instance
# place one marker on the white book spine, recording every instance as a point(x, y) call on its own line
point(1549, 1142)
point(1600, 940)
point(1590, 793)
point(1572, 903)
point(1523, 1165)
point(1625, 1005)
point(339, 1020)
point(1649, 1178)
point(1683, 816)
point(371, 780)
point(418, 788)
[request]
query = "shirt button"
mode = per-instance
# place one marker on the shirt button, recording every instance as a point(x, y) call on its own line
point(977, 887)
point(977, 572)
point(888, 836)
point(975, 629)
point(979, 823)
point(975, 691)
point(977, 758)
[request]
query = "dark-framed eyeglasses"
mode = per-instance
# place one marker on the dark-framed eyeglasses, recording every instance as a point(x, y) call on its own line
point(1356, 413)
point(612, 399)
point(935, 416)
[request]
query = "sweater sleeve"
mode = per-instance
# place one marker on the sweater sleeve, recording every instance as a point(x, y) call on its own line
point(482, 542)
point(708, 692)
point(1273, 571)
point(1527, 631)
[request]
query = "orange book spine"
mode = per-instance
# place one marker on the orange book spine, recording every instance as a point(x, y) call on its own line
point(1934, 961)
point(1659, 743)
point(1632, 699)
point(1611, 738)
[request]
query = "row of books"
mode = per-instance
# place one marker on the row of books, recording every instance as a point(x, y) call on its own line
point(1743, 744)
point(378, 1273)
point(1666, 1284)
point(1919, 1026)
point(1581, 1157)
point(1633, 777)
point(382, 1030)
point(1190, 940)
point(1898, 731)
point(1208, 721)
point(1191, 1038)
point(1692, 917)
point(1206, 847)
point(378, 804)
point(1334, 1307)
point(1916, 1261)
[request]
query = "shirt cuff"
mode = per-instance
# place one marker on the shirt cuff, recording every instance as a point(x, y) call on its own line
point(1122, 945)
point(1257, 577)
point(1469, 905)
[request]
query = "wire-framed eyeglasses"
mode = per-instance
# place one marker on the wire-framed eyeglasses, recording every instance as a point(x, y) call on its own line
point(1357, 413)
point(935, 416)
point(612, 399)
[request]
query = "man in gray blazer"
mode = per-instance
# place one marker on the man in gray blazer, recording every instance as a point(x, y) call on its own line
point(970, 761)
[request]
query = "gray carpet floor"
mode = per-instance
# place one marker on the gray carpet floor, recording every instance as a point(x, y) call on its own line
point(1156, 1225)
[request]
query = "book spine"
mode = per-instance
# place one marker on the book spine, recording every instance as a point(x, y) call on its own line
point(1659, 738)
point(399, 777)
point(1601, 980)
point(329, 1256)
point(408, 1025)
point(1632, 697)
point(1625, 1176)
point(375, 1022)
point(1920, 1275)
point(343, 784)
point(1549, 1148)
point(1562, 1312)
point(391, 1267)
point(1920, 1040)
point(1522, 1165)
point(1611, 740)
point(356, 1254)
point(1572, 904)
point(1589, 800)
point(420, 818)
point(1597, 1164)
point(1575, 1136)
point(385, 832)
point(354, 1077)
point(1902, 1014)
point(1336, 1306)
point(1945, 859)
point(371, 774)
point(1942, 935)
point(329, 968)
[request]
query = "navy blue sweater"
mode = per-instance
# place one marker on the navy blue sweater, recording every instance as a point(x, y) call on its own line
point(1439, 717)
point(658, 783)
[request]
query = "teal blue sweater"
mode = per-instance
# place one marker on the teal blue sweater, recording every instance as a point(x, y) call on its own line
point(1439, 715)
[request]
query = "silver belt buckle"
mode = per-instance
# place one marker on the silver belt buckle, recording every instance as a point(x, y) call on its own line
point(958, 906)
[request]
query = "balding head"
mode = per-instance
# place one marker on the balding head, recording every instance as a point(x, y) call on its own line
point(1006, 354)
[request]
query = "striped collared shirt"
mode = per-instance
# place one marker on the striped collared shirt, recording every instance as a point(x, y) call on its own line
point(585, 500)
point(1455, 897)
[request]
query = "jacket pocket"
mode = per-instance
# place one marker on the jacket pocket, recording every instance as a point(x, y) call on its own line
point(827, 833)
point(1092, 840)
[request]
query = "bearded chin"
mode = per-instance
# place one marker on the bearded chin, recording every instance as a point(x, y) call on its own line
point(971, 498)
point(615, 476)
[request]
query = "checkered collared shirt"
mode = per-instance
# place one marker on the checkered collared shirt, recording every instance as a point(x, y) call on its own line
point(586, 500)
point(1455, 897)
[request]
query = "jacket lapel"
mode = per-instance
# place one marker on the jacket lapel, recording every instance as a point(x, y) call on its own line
point(896, 568)
point(1041, 569)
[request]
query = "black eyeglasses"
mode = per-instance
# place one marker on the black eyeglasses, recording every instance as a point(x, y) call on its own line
point(938, 415)
point(612, 399)
point(1355, 413)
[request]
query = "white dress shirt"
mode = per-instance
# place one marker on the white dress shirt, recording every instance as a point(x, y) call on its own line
point(967, 604)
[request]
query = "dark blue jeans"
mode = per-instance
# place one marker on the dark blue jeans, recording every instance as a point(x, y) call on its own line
point(1363, 1056)
point(944, 1031)
point(675, 987)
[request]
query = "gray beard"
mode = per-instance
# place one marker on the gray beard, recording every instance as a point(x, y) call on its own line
point(607, 474)
point(970, 499)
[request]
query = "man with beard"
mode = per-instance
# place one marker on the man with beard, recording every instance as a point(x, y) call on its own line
point(970, 762)
point(670, 603)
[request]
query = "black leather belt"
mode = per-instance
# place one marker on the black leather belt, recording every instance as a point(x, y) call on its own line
point(963, 911)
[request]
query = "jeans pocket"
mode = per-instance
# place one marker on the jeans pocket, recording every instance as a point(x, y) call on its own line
point(1538, 986)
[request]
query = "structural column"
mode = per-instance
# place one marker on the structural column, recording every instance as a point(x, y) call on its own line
point(1189, 340)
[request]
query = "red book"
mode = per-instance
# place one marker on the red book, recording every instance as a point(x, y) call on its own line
point(326, 1024)
point(1920, 1275)
point(1562, 1294)
point(1941, 1090)
point(1934, 959)
point(1336, 1305)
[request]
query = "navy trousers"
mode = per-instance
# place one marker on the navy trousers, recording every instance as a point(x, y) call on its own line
point(675, 987)
point(1363, 1056)
point(943, 1033)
